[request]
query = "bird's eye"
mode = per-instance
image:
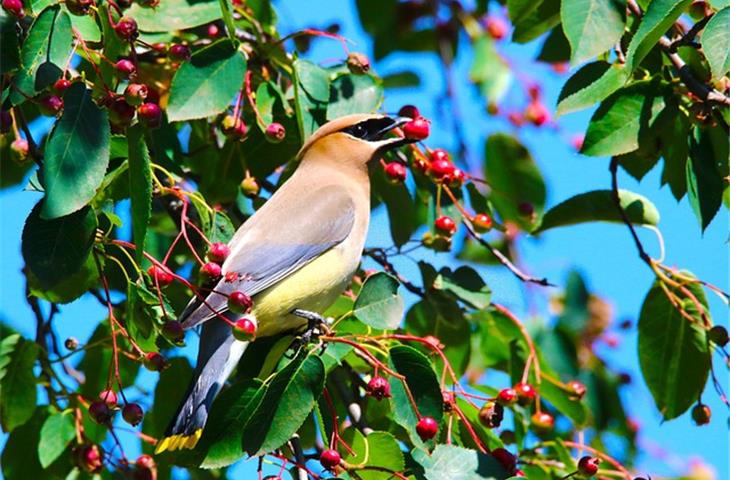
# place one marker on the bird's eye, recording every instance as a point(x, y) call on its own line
point(358, 131)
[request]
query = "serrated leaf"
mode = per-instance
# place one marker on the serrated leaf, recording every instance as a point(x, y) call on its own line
point(77, 154)
point(55, 249)
point(172, 15)
point(538, 21)
point(378, 449)
point(311, 94)
point(591, 84)
point(49, 40)
point(354, 94)
point(57, 432)
point(206, 84)
point(515, 180)
point(657, 19)
point(379, 305)
point(490, 70)
point(140, 187)
point(598, 206)
point(17, 381)
point(673, 352)
point(449, 462)
point(716, 42)
point(592, 26)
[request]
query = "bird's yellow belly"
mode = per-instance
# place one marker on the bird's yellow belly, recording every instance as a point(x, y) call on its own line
point(314, 287)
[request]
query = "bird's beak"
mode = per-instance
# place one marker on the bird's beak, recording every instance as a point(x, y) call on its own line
point(391, 123)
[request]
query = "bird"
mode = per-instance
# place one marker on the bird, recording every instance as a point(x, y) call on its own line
point(298, 252)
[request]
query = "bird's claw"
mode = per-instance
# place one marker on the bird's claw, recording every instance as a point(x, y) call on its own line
point(317, 325)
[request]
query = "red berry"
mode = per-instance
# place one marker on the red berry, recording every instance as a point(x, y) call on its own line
point(395, 172)
point(125, 67)
point(210, 270)
point(409, 111)
point(455, 179)
point(427, 428)
point(275, 132)
point(439, 154)
point(100, 412)
point(120, 112)
point(491, 415)
point(560, 67)
point(378, 388)
point(14, 8)
point(234, 127)
point(542, 421)
point(61, 85)
point(516, 119)
point(506, 459)
point(577, 141)
point(526, 209)
point(154, 362)
point(160, 275)
point(79, 7)
point(701, 414)
point(239, 302)
point(417, 129)
point(534, 92)
point(88, 458)
point(588, 466)
point(577, 389)
point(145, 461)
point(218, 252)
point(50, 105)
point(250, 187)
point(146, 468)
point(150, 114)
point(19, 147)
point(179, 52)
point(109, 397)
point(537, 113)
point(173, 331)
point(525, 393)
point(213, 30)
point(496, 28)
point(126, 29)
point(330, 459)
point(445, 225)
point(507, 396)
point(482, 222)
point(136, 93)
point(441, 169)
point(244, 330)
point(358, 63)
point(132, 414)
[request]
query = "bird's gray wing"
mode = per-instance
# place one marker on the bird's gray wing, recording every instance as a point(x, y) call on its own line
point(278, 240)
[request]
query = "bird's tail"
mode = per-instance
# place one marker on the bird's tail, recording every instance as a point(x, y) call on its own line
point(218, 355)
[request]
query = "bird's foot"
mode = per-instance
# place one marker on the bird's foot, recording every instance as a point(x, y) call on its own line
point(317, 325)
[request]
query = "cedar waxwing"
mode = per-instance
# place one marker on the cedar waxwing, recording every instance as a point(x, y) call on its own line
point(297, 252)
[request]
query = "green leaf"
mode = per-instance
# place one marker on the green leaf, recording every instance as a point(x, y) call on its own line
point(19, 456)
point(49, 41)
point(55, 249)
point(57, 433)
point(401, 206)
point(10, 53)
point(556, 48)
point(311, 94)
point(169, 392)
point(17, 382)
point(140, 187)
point(466, 285)
point(424, 386)
point(490, 70)
point(538, 21)
point(289, 399)
point(708, 154)
point(87, 27)
point(598, 206)
point(673, 352)
point(591, 84)
point(378, 304)
point(77, 154)
point(514, 178)
point(378, 449)
point(354, 94)
point(143, 313)
point(206, 84)
point(716, 42)
point(592, 26)
point(404, 79)
point(622, 119)
point(172, 15)
point(657, 19)
point(70, 287)
point(449, 462)
point(674, 141)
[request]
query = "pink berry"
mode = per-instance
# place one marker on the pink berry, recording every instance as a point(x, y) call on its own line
point(126, 29)
point(275, 132)
point(136, 93)
point(109, 397)
point(378, 388)
point(211, 270)
point(14, 8)
point(244, 330)
point(125, 67)
point(239, 302)
point(496, 28)
point(50, 105)
point(218, 252)
point(150, 114)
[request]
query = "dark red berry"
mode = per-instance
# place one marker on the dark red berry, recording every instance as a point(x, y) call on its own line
point(395, 172)
point(330, 459)
point(427, 428)
point(61, 85)
point(701, 414)
point(588, 466)
point(417, 129)
point(525, 393)
point(526, 209)
point(542, 421)
point(146, 468)
point(506, 459)
point(173, 331)
point(150, 114)
point(79, 7)
point(358, 63)
point(507, 396)
point(132, 414)
point(210, 270)
point(154, 362)
point(577, 389)
point(496, 27)
point(378, 388)
point(14, 8)
point(275, 132)
point(491, 415)
point(218, 252)
point(718, 335)
point(6, 121)
point(445, 225)
point(482, 222)
point(244, 330)
point(234, 127)
point(160, 276)
point(109, 397)
point(179, 52)
point(88, 458)
point(120, 112)
point(50, 105)
point(136, 93)
point(125, 67)
point(126, 29)
point(100, 412)
point(409, 111)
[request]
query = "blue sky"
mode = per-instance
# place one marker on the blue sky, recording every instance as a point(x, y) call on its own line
point(603, 253)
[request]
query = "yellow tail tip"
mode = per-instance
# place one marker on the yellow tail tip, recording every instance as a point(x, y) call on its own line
point(178, 442)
